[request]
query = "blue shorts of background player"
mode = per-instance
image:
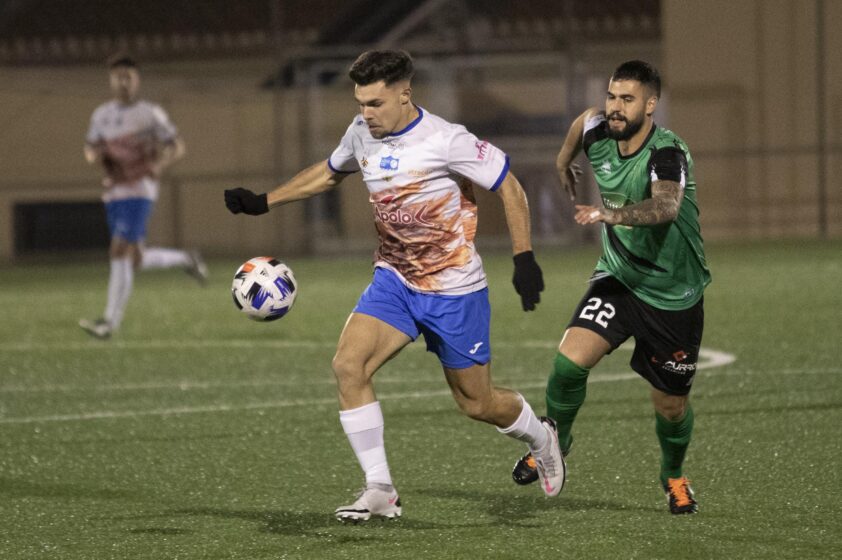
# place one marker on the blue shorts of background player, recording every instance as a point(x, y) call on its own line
point(127, 218)
point(456, 328)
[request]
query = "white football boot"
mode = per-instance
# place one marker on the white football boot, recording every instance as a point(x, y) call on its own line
point(197, 267)
point(552, 470)
point(375, 500)
point(100, 328)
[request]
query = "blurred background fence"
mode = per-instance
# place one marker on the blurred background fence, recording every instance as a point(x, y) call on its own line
point(258, 89)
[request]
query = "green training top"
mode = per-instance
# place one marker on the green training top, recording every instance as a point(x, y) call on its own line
point(664, 265)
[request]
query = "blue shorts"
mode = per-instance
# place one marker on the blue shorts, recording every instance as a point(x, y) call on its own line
point(456, 328)
point(127, 218)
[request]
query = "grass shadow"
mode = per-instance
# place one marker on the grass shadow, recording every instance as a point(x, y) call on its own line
point(312, 524)
point(522, 510)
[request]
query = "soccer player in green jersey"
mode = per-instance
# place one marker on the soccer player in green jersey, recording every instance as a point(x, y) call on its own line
point(649, 281)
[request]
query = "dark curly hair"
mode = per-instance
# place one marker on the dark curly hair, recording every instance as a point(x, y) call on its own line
point(389, 66)
point(641, 71)
point(121, 59)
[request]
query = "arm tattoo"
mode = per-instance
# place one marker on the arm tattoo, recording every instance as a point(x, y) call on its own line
point(661, 208)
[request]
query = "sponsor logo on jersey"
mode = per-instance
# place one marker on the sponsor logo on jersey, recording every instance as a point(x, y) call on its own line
point(681, 369)
point(402, 217)
point(676, 364)
point(419, 172)
point(606, 167)
point(389, 163)
point(394, 145)
point(482, 149)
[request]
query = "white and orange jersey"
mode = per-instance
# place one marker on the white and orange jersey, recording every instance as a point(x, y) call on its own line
point(130, 136)
point(420, 181)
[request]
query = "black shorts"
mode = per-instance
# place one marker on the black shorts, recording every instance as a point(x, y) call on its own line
point(666, 342)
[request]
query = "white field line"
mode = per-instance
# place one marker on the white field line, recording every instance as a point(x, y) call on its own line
point(286, 403)
point(235, 343)
point(95, 345)
point(708, 359)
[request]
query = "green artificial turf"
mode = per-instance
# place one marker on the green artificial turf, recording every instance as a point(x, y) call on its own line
point(196, 433)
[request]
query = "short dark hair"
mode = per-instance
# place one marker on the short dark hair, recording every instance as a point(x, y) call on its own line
point(641, 71)
point(389, 66)
point(121, 60)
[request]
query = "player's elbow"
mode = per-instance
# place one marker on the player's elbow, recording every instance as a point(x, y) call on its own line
point(91, 154)
point(179, 149)
point(671, 208)
point(332, 180)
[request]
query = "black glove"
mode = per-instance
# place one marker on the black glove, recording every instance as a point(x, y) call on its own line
point(528, 280)
point(243, 200)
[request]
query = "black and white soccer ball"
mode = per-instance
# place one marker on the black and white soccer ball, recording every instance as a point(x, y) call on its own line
point(264, 289)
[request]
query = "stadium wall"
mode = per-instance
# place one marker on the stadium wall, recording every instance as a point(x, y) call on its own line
point(237, 133)
point(741, 89)
point(744, 95)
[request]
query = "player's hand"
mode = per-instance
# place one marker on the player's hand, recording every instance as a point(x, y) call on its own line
point(156, 168)
point(113, 171)
point(528, 280)
point(591, 215)
point(569, 178)
point(243, 200)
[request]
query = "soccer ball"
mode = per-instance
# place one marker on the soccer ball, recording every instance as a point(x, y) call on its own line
point(264, 289)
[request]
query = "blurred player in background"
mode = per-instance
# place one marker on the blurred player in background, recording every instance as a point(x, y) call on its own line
point(649, 282)
point(134, 141)
point(421, 172)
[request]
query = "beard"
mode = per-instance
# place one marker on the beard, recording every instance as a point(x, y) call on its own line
point(632, 128)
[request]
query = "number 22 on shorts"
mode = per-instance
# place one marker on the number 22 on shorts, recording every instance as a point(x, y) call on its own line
point(592, 312)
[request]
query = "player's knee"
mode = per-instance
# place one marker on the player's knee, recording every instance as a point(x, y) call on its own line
point(475, 409)
point(342, 366)
point(119, 251)
point(348, 370)
point(673, 413)
point(567, 377)
point(566, 371)
point(672, 408)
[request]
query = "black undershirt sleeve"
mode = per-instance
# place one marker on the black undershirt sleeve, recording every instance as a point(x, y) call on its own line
point(668, 164)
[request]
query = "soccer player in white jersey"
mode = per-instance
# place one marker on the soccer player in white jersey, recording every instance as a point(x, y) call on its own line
point(133, 141)
point(421, 172)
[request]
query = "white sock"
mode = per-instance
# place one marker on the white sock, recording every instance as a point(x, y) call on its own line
point(120, 281)
point(158, 257)
point(527, 428)
point(364, 428)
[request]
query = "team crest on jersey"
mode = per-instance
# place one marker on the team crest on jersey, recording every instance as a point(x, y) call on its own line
point(364, 162)
point(606, 167)
point(389, 163)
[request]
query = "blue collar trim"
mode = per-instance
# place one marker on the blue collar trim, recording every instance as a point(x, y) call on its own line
point(411, 125)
